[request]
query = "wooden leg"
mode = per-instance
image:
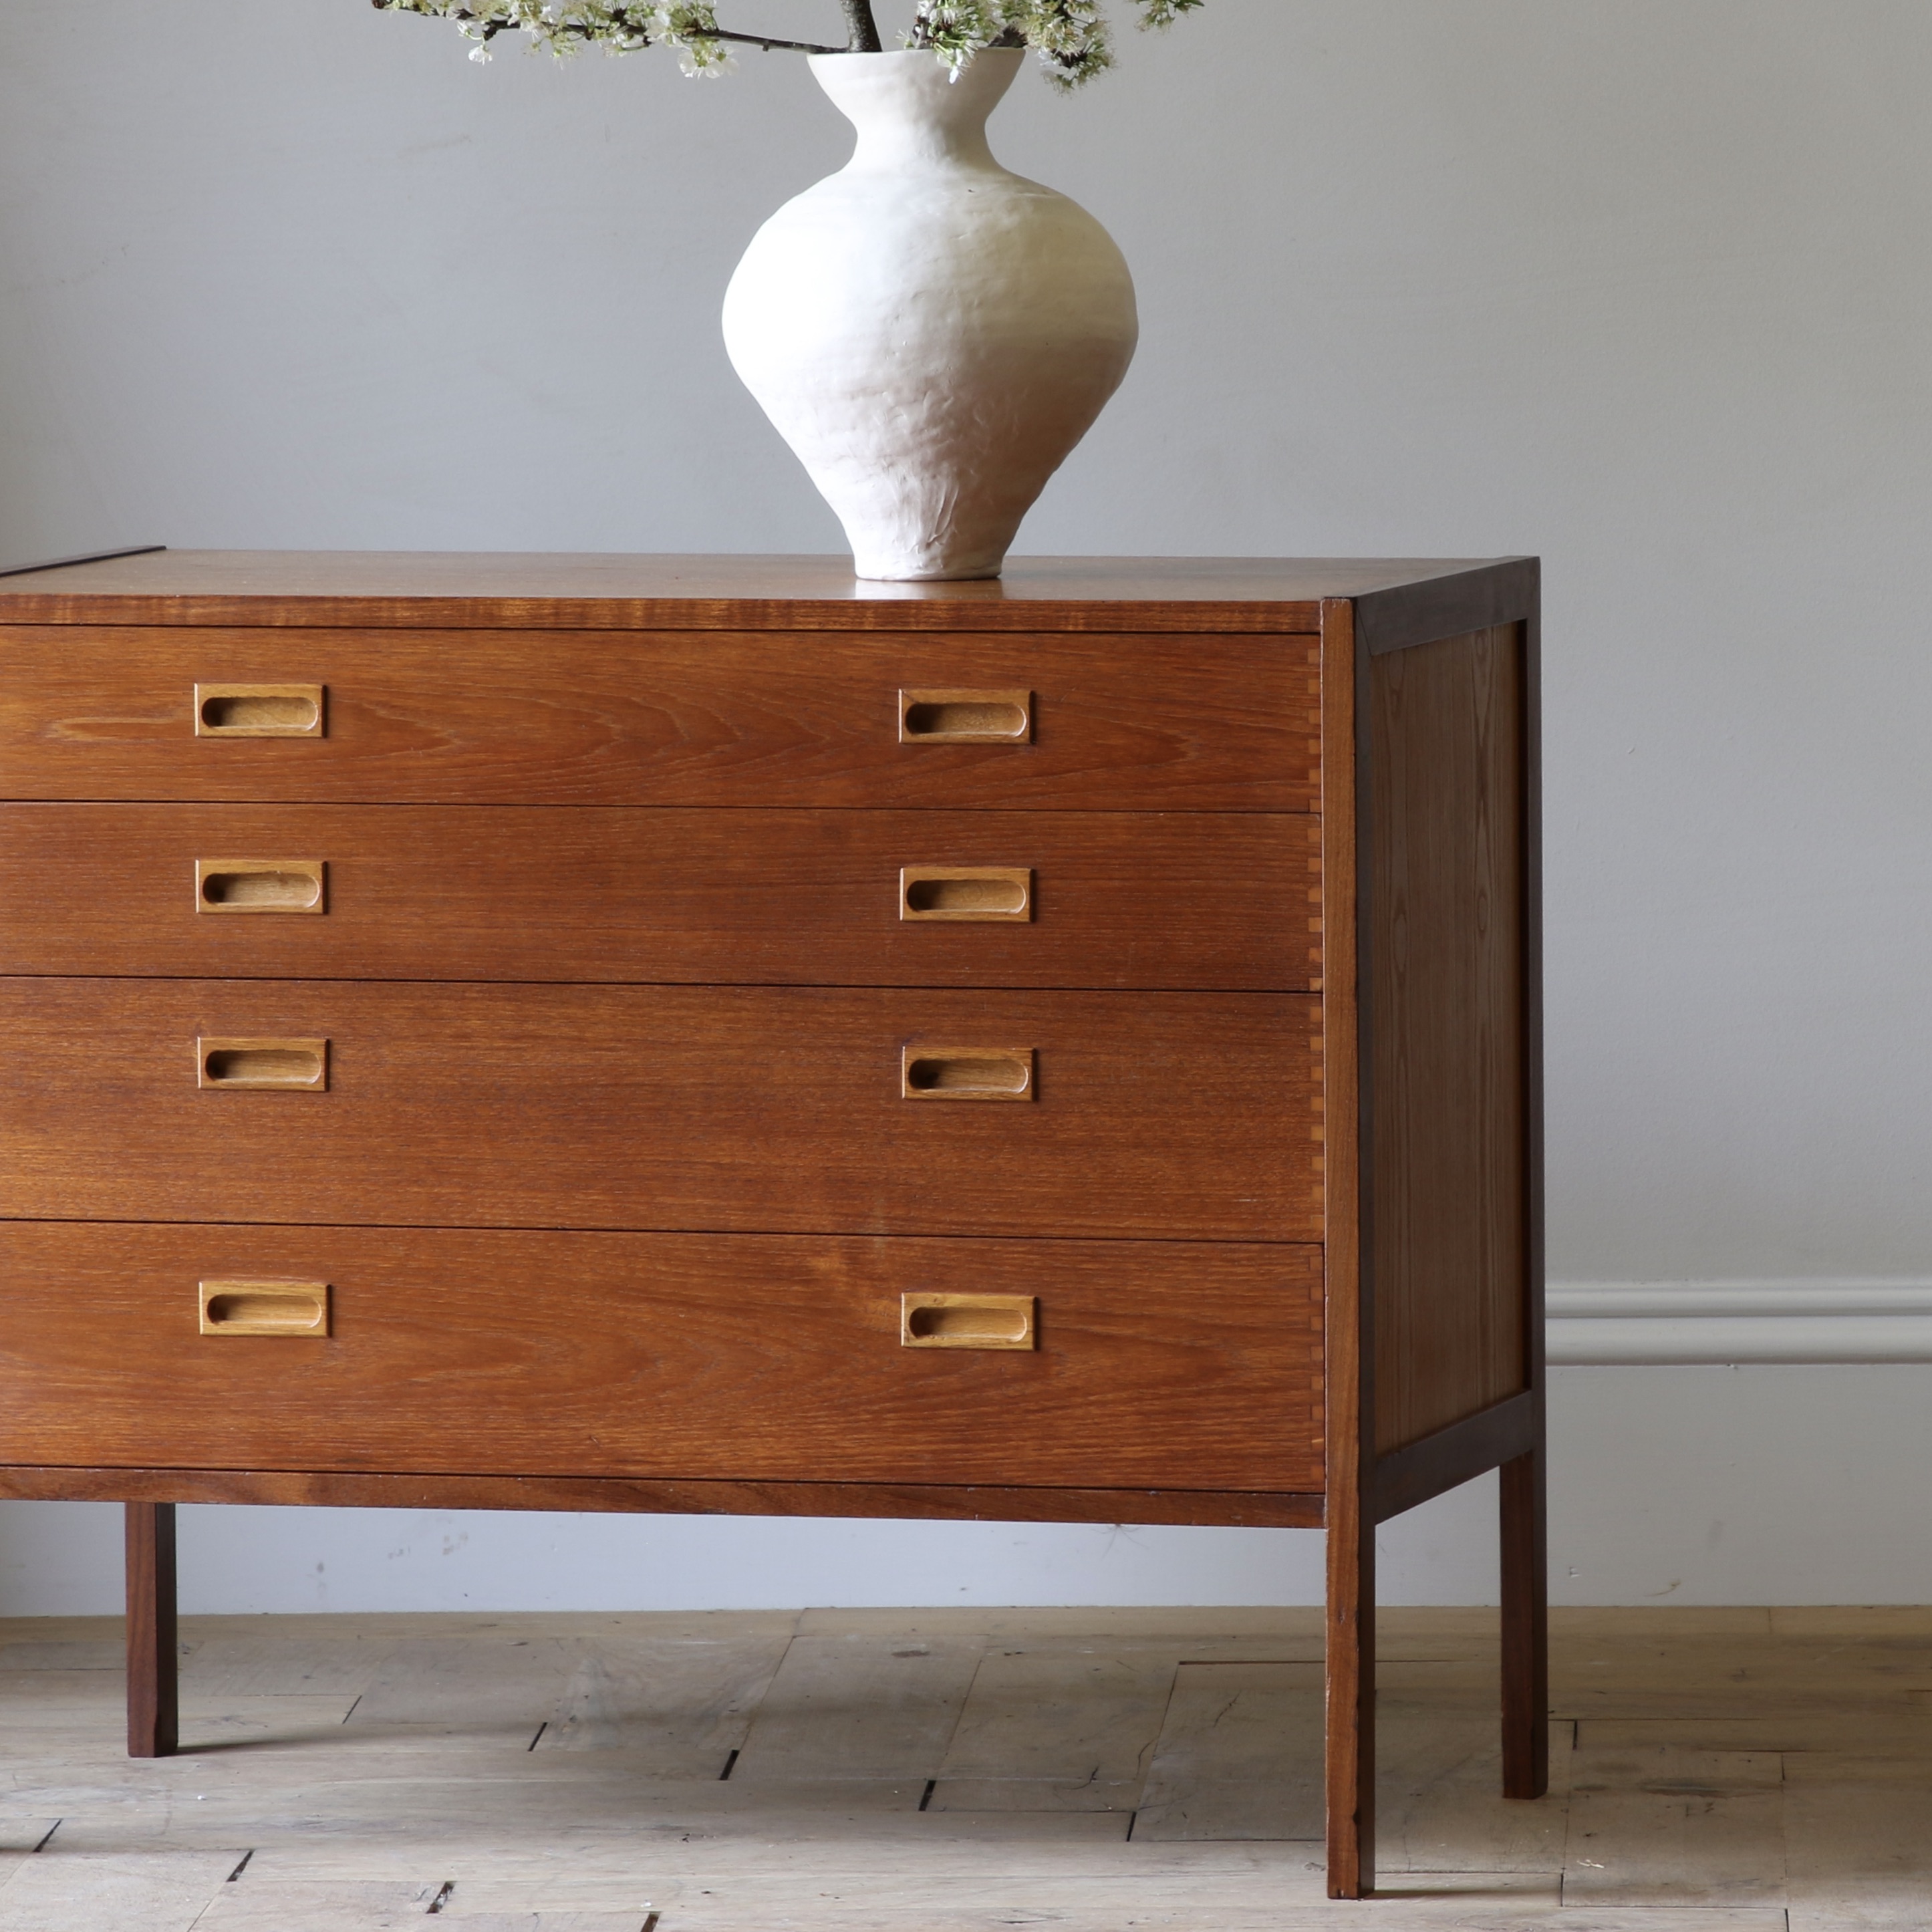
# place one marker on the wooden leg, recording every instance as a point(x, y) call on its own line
point(1350, 1769)
point(153, 1728)
point(1525, 1628)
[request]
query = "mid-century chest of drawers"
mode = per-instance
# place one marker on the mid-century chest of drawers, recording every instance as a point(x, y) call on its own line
point(699, 1034)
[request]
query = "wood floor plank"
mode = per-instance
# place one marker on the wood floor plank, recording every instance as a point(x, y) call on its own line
point(498, 1680)
point(1642, 1671)
point(220, 1724)
point(1906, 1736)
point(22, 1831)
point(684, 1704)
point(390, 1830)
point(269, 1664)
point(1239, 1756)
point(1438, 1634)
point(860, 1706)
point(1858, 1842)
point(946, 1851)
point(833, 1845)
point(1011, 1794)
point(551, 1922)
point(61, 1629)
point(251, 1904)
point(1666, 1826)
point(1848, 1623)
point(840, 1912)
point(1666, 1918)
point(24, 1694)
point(206, 1724)
point(256, 1905)
point(904, 1901)
point(869, 1915)
point(165, 1891)
point(1725, 1761)
point(1103, 1625)
point(64, 1654)
point(1668, 1623)
point(1055, 1730)
point(1439, 1802)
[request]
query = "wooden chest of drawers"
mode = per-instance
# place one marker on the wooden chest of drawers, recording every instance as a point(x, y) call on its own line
point(700, 1034)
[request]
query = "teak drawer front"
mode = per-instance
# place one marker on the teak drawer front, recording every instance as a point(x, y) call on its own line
point(1118, 723)
point(1198, 900)
point(1162, 1365)
point(1189, 1116)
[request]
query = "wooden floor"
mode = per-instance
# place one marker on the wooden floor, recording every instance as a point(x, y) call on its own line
point(1714, 1771)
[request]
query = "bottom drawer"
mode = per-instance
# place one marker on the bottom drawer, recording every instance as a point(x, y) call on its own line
point(1165, 1365)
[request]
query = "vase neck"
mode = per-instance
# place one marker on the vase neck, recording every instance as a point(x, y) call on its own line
point(909, 111)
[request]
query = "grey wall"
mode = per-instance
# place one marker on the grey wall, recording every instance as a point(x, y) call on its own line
point(1641, 285)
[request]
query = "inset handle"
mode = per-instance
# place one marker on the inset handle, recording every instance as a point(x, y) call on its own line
point(264, 1308)
point(965, 717)
point(297, 1065)
point(968, 1073)
point(258, 711)
point(966, 892)
point(259, 885)
point(969, 1322)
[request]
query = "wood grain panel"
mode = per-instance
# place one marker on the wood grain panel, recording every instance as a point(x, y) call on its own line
point(1449, 1199)
point(1201, 900)
point(153, 1704)
point(670, 718)
point(1349, 1699)
point(1493, 1437)
point(774, 1110)
point(558, 591)
point(741, 1358)
point(984, 1502)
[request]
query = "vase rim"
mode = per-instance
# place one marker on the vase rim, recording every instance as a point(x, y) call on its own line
point(912, 54)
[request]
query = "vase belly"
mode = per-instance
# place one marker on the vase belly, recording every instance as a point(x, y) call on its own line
point(931, 334)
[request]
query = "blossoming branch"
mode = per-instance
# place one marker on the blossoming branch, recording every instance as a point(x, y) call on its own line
point(1070, 36)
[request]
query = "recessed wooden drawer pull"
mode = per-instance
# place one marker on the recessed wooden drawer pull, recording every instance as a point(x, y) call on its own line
point(259, 885)
point(968, 1322)
point(258, 711)
point(299, 1066)
point(968, 1073)
point(965, 717)
point(966, 892)
point(264, 1308)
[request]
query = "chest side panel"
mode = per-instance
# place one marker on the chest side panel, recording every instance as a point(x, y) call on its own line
point(1448, 1199)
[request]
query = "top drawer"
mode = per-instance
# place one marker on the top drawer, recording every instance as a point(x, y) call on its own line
point(1104, 722)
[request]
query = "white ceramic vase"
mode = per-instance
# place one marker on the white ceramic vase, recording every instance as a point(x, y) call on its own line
point(931, 333)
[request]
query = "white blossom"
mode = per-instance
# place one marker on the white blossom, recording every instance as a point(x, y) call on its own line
point(1070, 37)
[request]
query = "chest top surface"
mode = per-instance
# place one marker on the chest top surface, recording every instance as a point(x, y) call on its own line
point(557, 590)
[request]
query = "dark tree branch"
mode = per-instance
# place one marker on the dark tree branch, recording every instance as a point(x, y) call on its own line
point(864, 37)
point(862, 30)
point(770, 45)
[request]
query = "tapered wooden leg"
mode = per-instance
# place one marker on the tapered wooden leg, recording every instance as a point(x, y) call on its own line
point(153, 1726)
point(1350, 1769)
point(1525, 1590)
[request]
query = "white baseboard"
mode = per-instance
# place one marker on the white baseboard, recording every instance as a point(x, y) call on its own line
point(1612, 1322)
